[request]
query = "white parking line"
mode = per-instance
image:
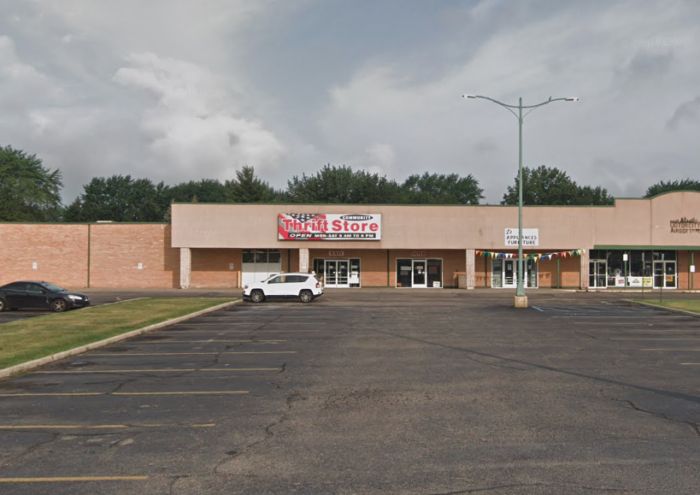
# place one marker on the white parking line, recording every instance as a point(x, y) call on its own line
point(670, 349)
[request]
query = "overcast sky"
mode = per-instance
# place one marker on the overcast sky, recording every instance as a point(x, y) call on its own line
point(177, 90)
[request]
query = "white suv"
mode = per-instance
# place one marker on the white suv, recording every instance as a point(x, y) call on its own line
point(305, 286)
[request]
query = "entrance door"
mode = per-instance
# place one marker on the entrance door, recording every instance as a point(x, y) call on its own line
point(336, 273)
point(509, 273)
point(597, 274)
point(419, 273)
point(664, 274)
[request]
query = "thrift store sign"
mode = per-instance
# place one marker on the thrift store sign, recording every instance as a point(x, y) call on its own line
point(329, 227)
point(531, 237)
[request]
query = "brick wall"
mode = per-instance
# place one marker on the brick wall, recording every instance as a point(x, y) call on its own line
point(52, 252)
point(212, 268)
point(59, 253)
point(133, 256)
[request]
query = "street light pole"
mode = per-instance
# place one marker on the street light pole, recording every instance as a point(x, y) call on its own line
point(520, 297)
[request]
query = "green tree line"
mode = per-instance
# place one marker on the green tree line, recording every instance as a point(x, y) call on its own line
point(30, 192)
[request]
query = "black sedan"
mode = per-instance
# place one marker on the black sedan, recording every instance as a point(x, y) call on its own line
point(26, 294)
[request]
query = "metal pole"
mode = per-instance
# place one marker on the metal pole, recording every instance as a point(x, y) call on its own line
point(520, 291)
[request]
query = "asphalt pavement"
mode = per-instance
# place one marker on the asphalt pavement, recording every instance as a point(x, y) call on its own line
point(369, 392)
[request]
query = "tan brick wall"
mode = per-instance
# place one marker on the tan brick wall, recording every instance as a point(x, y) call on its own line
point(117, 249)
point(211, 268)
point(570, 272)
point(59, 251)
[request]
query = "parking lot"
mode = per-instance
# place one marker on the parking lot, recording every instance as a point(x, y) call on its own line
point(371, 391)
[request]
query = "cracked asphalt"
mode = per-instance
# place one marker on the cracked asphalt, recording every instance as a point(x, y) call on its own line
point(371, 392)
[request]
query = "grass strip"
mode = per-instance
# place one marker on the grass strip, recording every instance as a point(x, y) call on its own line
point(33, 338)
point(691, 305)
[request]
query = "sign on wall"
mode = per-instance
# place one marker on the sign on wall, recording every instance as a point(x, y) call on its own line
point(531, 237)
point(685, 225)
point(329, 227)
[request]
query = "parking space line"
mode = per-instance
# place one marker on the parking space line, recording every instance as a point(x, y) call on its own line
point(151, 370)
point(656, 338)
point(102, 427)
point(71, 479)
point(670, 349)
point(115, 354)
point(125, 394)
point(211, 341)
point(690, 364)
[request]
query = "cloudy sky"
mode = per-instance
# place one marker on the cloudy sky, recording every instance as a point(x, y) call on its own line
point(177, 90)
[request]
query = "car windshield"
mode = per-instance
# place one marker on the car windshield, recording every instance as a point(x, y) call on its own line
point(52, 287)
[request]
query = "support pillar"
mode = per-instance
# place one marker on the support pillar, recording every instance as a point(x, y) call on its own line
point(185, 267)
point(470, 273)
point(304, 260)
point(583, 282)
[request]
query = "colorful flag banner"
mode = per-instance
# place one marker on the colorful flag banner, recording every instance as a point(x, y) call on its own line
point(531, 256)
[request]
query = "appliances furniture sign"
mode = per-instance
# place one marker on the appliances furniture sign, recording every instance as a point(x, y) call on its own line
point(531, 237)
point(329, 227)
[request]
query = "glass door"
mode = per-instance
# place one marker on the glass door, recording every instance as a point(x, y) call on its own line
point(336, 272)
point(664, 274)
point(509, 274)
point(597, 274)
point(342, 273)
point(419, 273)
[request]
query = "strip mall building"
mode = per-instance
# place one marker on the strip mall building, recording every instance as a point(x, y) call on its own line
point(634, 243)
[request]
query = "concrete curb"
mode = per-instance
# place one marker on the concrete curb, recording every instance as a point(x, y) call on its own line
point(37, 363)
point(658, 306)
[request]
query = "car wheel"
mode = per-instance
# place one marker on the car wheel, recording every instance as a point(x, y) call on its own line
point(3, 305)
point(58, 305)
point(257, 296)
point(306, 296)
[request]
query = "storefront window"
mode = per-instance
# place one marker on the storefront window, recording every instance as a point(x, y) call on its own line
point(497, 273)
point(434, 273)
point(404, 273)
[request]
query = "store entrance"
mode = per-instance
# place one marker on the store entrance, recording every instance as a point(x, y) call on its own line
point(598, 274)
point(504, 273)
point(419, 273)
point(665, 274)
point(335, 273)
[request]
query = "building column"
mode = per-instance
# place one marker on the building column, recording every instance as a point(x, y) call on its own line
point(304, 260)
point(185, 267)
point(470, 273)
point(583, 270)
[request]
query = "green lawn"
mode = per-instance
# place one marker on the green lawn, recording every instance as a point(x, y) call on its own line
point(32, 338)
point(684, 304)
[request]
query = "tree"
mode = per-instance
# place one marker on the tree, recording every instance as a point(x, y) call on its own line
point(202, 191)
point(551, 186)
point(342, 185)
point(121, 199)
point(247, 188)
point(29, 192)
point(676, 185)
point(441, 189)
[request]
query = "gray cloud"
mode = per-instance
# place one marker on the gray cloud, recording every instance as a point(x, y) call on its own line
point(178, 90)
point(688, 111)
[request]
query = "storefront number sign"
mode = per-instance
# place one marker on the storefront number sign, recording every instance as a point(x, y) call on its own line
point(329, 227)
point(531, 237)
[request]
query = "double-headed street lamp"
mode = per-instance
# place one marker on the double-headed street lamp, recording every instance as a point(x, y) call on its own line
point(520, 297)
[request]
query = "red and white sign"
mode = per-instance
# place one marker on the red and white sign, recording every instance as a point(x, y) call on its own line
point(329, 227)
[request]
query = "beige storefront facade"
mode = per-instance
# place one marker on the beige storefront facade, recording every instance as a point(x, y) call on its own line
point(633, 243)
